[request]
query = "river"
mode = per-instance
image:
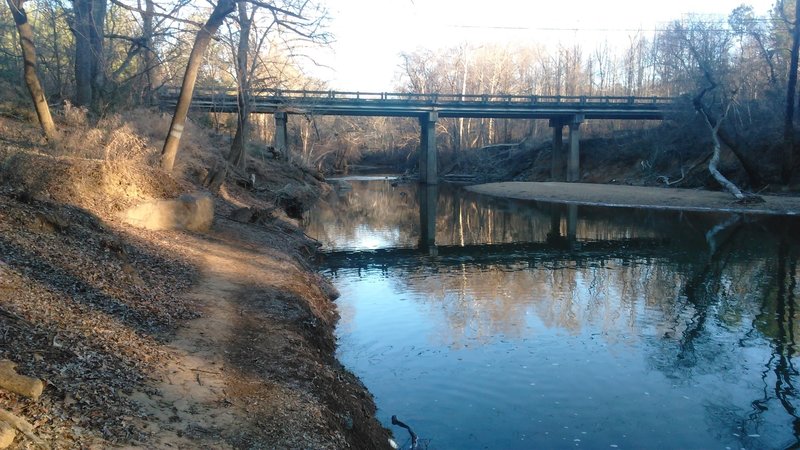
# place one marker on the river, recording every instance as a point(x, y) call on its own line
point(495, 324)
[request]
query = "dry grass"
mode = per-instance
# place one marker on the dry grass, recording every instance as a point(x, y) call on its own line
point(103, 166)
point(111, 164)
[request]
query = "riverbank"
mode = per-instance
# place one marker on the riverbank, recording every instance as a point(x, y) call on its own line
point(638, 197)
point(220, 338)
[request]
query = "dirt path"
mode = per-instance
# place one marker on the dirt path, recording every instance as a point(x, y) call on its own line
point(191, 399)
point(257, 369)
point(637, 197)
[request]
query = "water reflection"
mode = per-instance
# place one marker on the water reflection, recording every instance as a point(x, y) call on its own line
point(555, 327)
point(428, 201)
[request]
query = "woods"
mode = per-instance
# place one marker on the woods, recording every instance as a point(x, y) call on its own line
point(122, 52)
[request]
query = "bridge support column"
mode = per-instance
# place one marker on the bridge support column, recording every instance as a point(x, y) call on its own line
point(281, 142)
point(557, 160)
point(573, 164)
point(428, 168)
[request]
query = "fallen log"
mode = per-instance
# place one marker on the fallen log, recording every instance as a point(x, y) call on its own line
point(10, 380)
point(23, 426)
point(7, 435)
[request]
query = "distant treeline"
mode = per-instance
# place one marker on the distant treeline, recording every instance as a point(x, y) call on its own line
point(107, 55)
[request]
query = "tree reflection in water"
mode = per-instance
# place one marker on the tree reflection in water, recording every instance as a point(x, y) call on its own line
point(708, 301)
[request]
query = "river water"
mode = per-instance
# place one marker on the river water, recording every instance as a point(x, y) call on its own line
point(488, 323)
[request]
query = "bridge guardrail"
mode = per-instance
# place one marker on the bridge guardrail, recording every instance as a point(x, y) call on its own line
point(284, 96)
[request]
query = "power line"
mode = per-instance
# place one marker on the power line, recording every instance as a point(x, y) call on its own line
point(578, 30)
point(607, 30)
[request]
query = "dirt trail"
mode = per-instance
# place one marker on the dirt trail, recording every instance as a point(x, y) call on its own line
point(192, 395)
point(257, 369)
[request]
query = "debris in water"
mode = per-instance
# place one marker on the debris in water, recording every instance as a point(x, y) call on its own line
point(414, 438)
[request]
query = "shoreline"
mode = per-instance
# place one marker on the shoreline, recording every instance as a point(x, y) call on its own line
point(169, 339)
point(644, 197)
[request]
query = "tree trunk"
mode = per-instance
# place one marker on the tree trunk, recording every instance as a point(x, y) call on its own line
point(96, 36)
point(237, 155)
point(26, 43)
point(791, 89)
point(712, 165)
point(83, 53)
point(89, 29)
point(170, 150)
point(152, 66)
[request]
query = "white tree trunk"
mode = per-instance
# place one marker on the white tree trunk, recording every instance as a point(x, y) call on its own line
point(712, 165)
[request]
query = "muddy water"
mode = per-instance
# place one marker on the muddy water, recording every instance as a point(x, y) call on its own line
point(485, 323)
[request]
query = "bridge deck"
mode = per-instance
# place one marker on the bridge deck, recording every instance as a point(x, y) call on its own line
point(445, 105)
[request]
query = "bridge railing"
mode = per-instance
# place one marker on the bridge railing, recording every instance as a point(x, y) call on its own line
point(286, 96)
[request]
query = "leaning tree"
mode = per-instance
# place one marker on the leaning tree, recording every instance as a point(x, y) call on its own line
point(295, 16)
point(26, 42)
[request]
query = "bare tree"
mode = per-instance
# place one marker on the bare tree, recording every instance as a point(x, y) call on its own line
point(791, 89)
point(716, 149)
point(203, 38)
point(290, 20)
point(89, 29)
point(26, 43)
point(239, 145)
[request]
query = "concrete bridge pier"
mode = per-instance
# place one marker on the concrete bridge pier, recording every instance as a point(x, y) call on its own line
point(573, 164)
point(428, 168)
point(557, 160)
point(281, 141)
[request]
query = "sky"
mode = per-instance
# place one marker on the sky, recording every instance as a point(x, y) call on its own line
point(369, 35)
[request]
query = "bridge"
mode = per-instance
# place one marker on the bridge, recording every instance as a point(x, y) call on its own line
point(561, 111)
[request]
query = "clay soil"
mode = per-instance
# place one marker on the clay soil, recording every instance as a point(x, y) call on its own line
point(638, 197)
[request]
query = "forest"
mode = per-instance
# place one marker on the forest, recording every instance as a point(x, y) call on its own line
point(737, 76)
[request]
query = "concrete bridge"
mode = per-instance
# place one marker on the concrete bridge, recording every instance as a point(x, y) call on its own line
point(561, 111)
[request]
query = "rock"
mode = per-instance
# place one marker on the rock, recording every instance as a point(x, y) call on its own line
point(193, 212)
point(10, 380)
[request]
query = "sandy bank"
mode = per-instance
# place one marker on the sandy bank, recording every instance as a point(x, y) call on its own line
point(638, 197)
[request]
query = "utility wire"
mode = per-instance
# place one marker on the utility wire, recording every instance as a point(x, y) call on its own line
point(606, 30)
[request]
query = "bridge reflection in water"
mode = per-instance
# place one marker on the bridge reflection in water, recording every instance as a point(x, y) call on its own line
point(552, 324)
point(559, 243)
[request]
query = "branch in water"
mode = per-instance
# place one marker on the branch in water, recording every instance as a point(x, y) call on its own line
point(414, 437)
